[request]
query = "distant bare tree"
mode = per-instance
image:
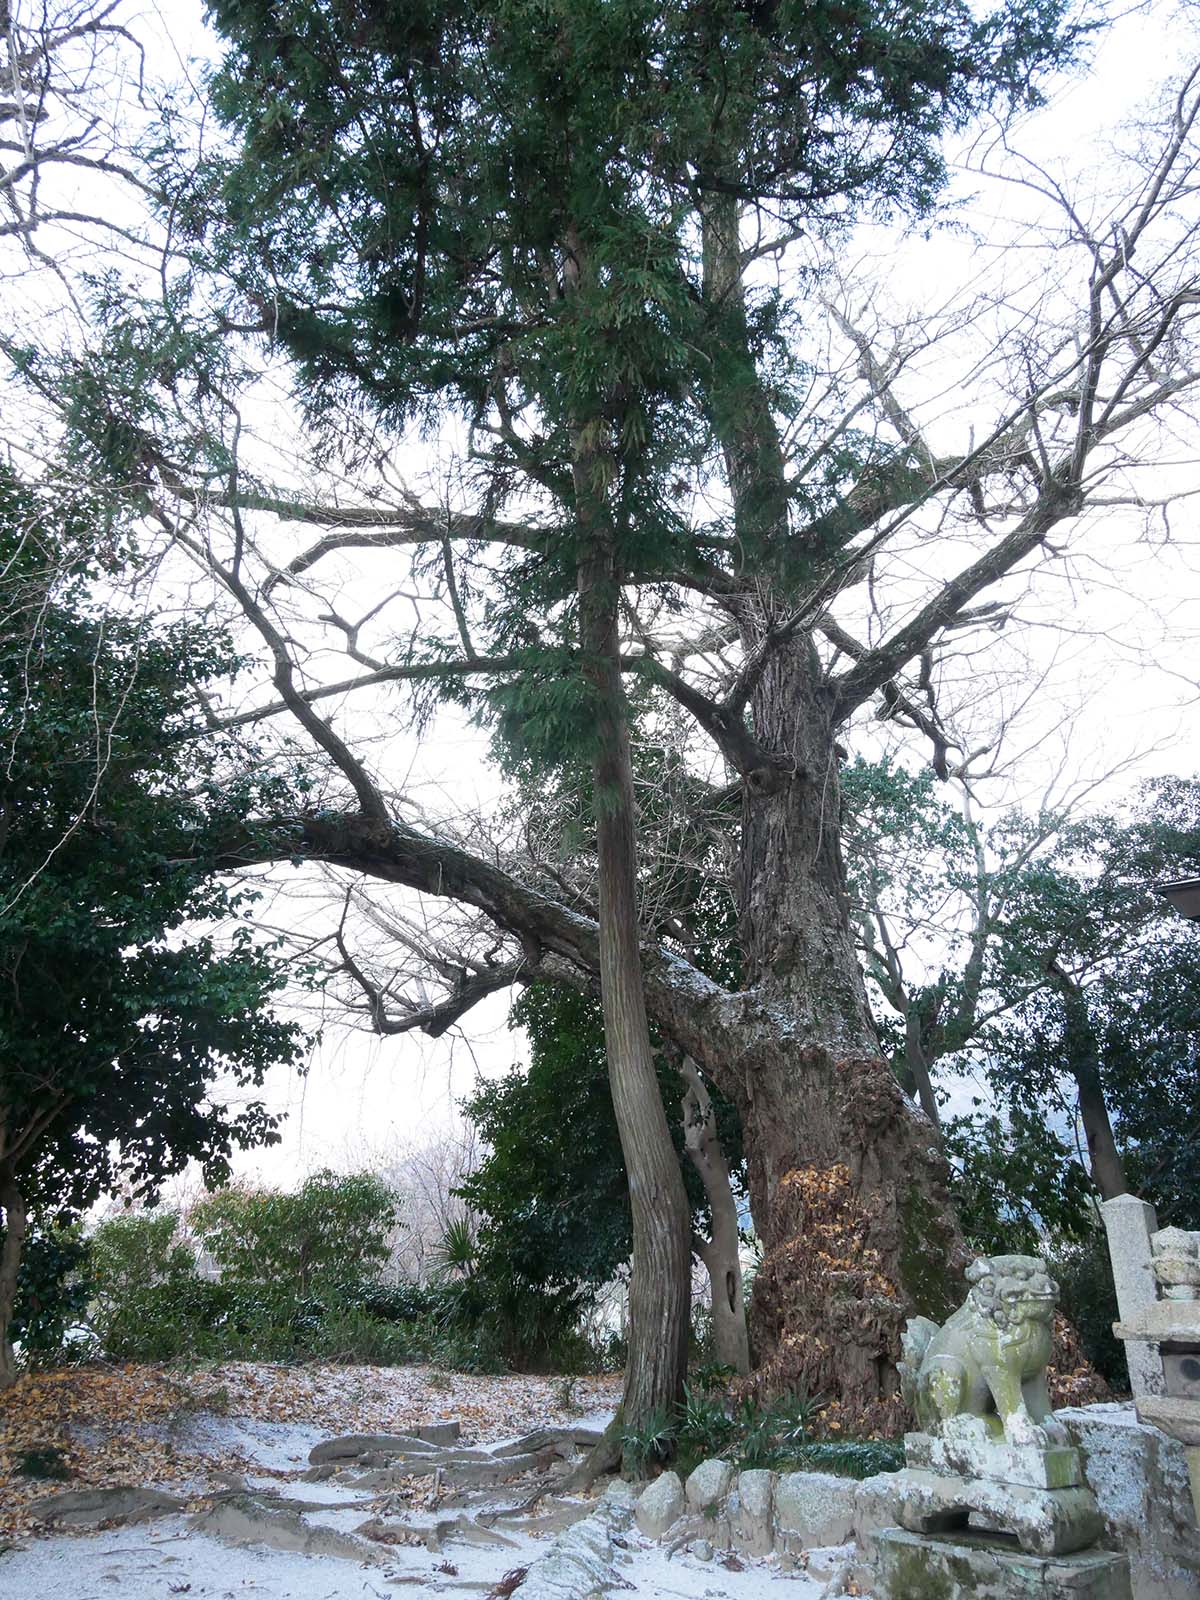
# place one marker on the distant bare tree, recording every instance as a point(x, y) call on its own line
point(424, 1174)
point(68, 72)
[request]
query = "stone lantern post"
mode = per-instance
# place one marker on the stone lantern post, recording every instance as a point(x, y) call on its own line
point(1172, 1324)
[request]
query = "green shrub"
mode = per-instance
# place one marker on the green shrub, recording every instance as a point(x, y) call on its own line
point(147, 1296)
point(53, 1291)
point(852, 1458)
point(651, 1445)
point(46, 1461)
point(498, 1317)
point(354, 1336)
point(302, 1253)
point(776, 1436)
point(1088, 1298)
point(399, 1302)
point(299, 1282)
point(283, 1282)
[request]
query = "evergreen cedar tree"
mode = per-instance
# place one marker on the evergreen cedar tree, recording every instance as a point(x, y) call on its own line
point(115, 1021)
point(525, 215)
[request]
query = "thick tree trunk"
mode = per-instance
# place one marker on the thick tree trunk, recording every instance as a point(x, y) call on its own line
point(720, 1251)
point(15, 1222)
point(660, 1281)
point(847, 1184)
point(842, 1165)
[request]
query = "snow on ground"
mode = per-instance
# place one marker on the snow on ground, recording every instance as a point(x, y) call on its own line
point(207, 1432)
point(653, 1572)
point(390, 1399)
point(162, 1561)
point(173, 1428)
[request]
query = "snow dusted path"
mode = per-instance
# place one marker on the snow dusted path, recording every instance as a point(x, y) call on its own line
point(257, 1522)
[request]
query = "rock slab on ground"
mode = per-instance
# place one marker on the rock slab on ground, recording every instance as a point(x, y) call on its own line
point(242, 1520)
point(448, 1431)
point(92, 1508)
point(352, 1446)
point(564, 1440)
point(581, 1561)
point(874, 1507)
point(465, 1469)
point(434, 1536)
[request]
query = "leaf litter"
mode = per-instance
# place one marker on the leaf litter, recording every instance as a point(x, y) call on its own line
point(107, 1426)
point(213, 1432)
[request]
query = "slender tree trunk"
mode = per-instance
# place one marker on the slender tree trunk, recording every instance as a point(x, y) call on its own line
point(720, 1251)
point(917, 1062)
point(15, 1223)
point(660, 1279)
point(659, 1292)
point(1083, 1058)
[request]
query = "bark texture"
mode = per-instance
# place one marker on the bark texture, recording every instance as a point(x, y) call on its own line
point(848, 1188)
point(15, 1222)
point(847, 1181)
point(660, 1275)
point(720, 1251)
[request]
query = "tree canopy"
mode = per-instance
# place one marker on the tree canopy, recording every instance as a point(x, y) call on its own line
point(118, 1014)
point(1032, 955)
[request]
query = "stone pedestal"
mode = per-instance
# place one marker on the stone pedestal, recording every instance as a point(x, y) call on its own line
point(959, 1453)
point(973, 1567)
point(1130, 1224)
point(1044, 1522)
point(993, 1501)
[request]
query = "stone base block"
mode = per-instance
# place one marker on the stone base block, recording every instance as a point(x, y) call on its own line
point(815, 1509)
point(1140, 1480)
point(1179, 1419)
point(974, 1567)
point(1046, 1522)
point(980, 1457)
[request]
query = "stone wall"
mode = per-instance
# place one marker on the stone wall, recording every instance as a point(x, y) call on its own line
point(1138, 1475)
point(759, 1513)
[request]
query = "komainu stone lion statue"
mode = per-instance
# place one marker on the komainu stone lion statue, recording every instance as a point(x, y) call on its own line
point(989, 1359)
